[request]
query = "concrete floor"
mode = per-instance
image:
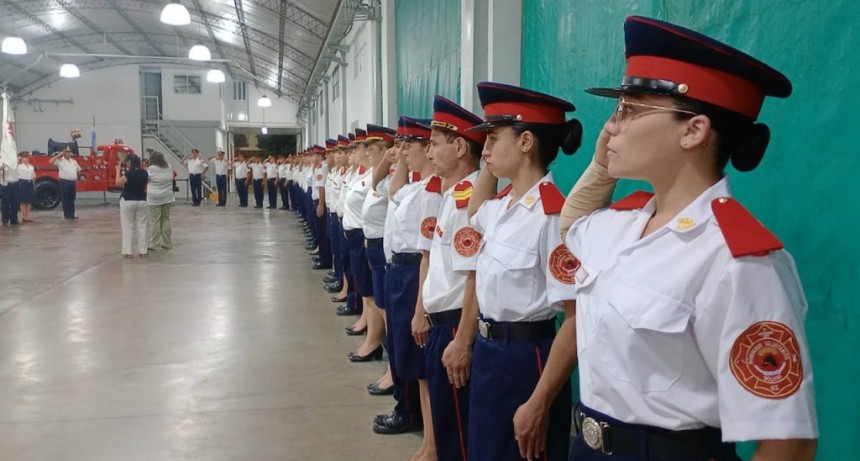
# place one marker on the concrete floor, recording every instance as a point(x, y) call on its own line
point(224, 348)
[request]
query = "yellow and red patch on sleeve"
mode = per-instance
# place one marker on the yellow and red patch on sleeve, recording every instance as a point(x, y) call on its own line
point(563, 265)
point(462, 194)
point(765, 360)
point(428, 225)
point(467, 241)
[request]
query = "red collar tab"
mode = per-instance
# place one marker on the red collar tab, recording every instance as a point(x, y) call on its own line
point(434, 184)
point(504, 192)
point(449, 116)
point(745, 235)
point(634, 201)
point(462, 194)
point(362, 169)
point(551, 198)
point(416, 176)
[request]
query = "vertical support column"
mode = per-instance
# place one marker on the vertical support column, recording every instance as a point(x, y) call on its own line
point(474, 52)
point(385, 63)
point(505, 31)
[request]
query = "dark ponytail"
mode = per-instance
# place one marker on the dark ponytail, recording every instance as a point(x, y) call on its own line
point(739, 139)
point(550, 138)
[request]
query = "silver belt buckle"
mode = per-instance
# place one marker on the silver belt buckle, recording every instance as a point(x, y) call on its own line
point(484, 329)
point(592, 433)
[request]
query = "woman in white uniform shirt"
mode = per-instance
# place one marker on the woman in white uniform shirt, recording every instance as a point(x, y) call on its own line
point(26, 185)
point(523, 274)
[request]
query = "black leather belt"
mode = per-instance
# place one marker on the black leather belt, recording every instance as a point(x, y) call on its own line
point(353, 232)
point(406, 259)
point(517, 331)
point(374, 243)
point(653, 442)
point(444, 318)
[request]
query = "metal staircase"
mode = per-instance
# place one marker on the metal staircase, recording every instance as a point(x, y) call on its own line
point(172, 141)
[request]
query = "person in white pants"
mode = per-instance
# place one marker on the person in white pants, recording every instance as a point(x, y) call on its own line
point(132, 205)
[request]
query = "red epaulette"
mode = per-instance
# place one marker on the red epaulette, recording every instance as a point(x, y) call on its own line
point(434, 184)
point(416, 176)
point(462, 194)
point(362, 169)
point(634, 201)
point(504, 192)
point(342, 170)
point(745, 235)
point(551, 198)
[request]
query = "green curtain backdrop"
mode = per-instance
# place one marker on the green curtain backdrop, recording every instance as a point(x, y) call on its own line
point(428, 54)
point(802, 189)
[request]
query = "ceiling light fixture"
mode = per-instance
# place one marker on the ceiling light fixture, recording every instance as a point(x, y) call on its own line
point(175, 14)
point(199, 53)
point(264, 130)
point(70, 71)
point(264, 102)
point(215, 76)
point(14, 45)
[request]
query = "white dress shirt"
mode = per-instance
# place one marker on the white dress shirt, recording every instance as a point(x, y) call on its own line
point(26, 172)
point(257, 169)
point(196, 165)
point(240, 170)
point(354, 199)
point(220, 166)
point(69, 168)
point(374, 209)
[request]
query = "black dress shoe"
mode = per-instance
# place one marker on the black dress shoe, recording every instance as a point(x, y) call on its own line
point(351, 332)
point(329, 279)
point(396, 424)
point(319, 266)
point(310, 246)
point(344, 311)
point(335, 288)
point(271, 207)
point(336, 299)
point(378, 419)
point(376, 390)
point(375, 355)
point(314, 253)
point(315, 258)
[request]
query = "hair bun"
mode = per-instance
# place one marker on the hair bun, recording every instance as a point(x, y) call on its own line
point(571, 136)
point(748, 154)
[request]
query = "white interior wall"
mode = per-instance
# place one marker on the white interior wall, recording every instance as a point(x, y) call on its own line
point(111, 95)
point(203, 106)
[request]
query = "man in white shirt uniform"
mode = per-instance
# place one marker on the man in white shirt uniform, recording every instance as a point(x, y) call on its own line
point(197, 167)
point(9, 194)
point(257, 169)
point(69, 169)
point(283, 170)
point(240, 176)
point(220, 177)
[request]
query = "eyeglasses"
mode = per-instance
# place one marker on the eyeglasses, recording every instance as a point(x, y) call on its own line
point(624, 115)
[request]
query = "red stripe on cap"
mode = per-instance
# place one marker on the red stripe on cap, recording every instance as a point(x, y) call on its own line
point(414, 131)
point(703, 83)
point(458, 125)
point(528, 112)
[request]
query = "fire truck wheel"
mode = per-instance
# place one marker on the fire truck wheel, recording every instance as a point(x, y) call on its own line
point(47, 195)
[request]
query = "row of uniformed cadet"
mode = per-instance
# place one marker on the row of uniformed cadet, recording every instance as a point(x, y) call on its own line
point(683, 313)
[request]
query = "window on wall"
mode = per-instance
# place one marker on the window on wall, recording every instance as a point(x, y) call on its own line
point(240, 90)
point(357, 61)
point(335, 84)
point(186, 84)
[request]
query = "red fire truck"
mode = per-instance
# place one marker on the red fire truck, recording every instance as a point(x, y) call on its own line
point(98, 169)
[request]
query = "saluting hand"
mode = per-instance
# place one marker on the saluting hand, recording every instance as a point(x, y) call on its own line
point(531, 421)
point(600, 148)
point(457, 360)
point(419, 329)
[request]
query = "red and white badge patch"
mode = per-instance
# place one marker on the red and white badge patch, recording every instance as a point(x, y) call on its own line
point(428, 226)
point(563, 265)
point(765, 360)
point(319, 177)
point(467, 241)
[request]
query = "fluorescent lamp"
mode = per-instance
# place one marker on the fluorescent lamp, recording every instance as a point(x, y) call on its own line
point(264, 102)
point(175, 14)
point(215, 76)
point(199, 53)
point(14, 45)
point(264, 130)
point(70, 71)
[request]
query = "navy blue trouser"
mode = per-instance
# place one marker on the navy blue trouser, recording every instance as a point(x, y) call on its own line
point(404, 356)
point(376, 261)
point(334, 233)
point(195, 181)
point(504, 375)
point(9, 203)
point(451, 406)
point(258, 193)
point(272, 188)
point(353, 300)
point(221, 183)
point(68, 192)
point(242, 191)
point(322, 236)
point(358, 260)
point(294, 196)
point(285, 197)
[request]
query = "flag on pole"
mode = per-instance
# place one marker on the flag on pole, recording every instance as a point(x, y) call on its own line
point(8, 146)
point(93, 138)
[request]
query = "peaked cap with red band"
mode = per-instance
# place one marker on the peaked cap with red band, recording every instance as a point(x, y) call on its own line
point(507, 104)
point(380, 133)
point(449, 116)
point(413, 129)
point(351, 137)
point(360, 135)
point(342, 141)
point(330, 144)
point(665, 59)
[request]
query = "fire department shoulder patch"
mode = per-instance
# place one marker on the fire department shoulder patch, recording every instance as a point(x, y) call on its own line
point(428, 226)
point(765, 360)
point(467, 241)
point(319, 177)
point(563, 265)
